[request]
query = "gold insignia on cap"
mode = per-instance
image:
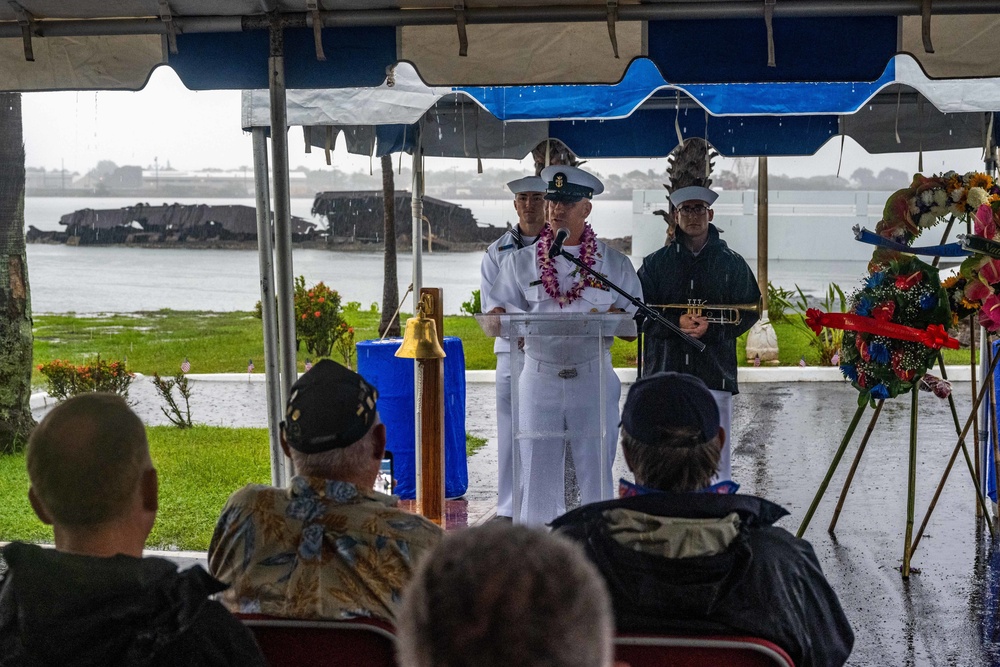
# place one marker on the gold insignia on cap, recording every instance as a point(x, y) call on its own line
point(361, 410)
point(559, 180)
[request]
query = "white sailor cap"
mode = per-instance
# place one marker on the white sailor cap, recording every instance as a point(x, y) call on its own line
point(693, 193)
point(526, 184)
point(570, 183)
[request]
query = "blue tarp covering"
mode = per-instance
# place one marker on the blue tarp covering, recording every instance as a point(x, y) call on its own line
point(652, 134)
point(355, 57)
point(643, 79)
point(806, 49)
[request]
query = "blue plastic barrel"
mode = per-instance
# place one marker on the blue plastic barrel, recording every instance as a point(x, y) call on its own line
point(393, 377)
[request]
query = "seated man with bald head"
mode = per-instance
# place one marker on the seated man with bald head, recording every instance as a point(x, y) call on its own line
point(328, 546)
point(93, 600)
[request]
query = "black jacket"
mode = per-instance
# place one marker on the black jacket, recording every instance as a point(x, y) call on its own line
point(718, 275)
point(65, 609)
point(765, 583)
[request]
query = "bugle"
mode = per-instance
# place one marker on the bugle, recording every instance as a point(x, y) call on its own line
point(714, 314)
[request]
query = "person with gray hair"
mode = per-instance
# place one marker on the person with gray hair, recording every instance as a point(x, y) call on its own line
point(683, 556)
point(94, 600)
point(504, 595)
point(328, 546)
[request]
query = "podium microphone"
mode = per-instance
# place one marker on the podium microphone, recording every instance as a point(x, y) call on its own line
point(561, 235)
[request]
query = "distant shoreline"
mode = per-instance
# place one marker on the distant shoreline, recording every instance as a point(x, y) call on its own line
point(621, 244)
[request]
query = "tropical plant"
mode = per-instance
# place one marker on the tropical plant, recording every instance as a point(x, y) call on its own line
point(828, 341)
point(777, 297)
point(474, 305)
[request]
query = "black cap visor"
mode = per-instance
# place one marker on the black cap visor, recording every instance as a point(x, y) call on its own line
point(563, 196)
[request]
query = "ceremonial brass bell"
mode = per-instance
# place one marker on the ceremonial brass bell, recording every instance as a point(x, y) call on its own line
point(420, 341)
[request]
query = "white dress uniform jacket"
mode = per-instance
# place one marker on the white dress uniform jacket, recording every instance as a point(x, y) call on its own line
point(558, 386)
point(498, 252)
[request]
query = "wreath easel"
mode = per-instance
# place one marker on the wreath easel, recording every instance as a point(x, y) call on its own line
point(896, 326)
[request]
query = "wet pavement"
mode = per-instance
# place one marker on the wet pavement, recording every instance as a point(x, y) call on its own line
point(785, 438)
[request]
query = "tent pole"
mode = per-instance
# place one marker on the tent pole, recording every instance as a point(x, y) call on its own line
point(417, 207)
point(268, 310)
point(282, 219)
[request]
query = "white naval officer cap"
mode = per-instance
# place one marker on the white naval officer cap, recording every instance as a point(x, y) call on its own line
point(570, 183)
point(526, 184)
point(693, 193)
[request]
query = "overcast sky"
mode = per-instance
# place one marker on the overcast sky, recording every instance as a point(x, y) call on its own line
point(193, 130)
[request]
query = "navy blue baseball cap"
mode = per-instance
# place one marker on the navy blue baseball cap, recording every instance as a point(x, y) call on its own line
point(329, 407)
point(666, 401)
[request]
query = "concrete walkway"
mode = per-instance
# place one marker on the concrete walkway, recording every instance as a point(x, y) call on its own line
point(786, 434)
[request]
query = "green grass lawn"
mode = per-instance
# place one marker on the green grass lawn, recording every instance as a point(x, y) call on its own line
point(223, 342)
point(198, 469)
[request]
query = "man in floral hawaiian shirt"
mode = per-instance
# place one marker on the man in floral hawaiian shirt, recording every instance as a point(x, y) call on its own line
point(328, 546)
point(559, 386)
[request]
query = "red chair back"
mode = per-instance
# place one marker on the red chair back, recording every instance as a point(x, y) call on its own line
point(664, 651)
point(293, 642)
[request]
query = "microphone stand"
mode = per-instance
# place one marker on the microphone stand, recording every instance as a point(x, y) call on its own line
point(643, 308)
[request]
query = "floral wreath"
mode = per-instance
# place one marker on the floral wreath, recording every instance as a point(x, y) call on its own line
point(973, 197)
point(893, 330)
point(549, 276)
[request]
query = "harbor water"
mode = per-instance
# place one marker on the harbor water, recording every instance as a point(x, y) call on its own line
point(125, 279)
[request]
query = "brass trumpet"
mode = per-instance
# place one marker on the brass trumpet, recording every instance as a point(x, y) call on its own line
point(714, 314)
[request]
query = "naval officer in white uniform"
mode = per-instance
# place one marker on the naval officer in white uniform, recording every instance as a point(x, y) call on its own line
point(529, 202)
point(559, 389)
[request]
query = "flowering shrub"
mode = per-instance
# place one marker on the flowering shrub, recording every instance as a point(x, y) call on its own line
point(317, 317)
point(65, 379)
point(345, 344)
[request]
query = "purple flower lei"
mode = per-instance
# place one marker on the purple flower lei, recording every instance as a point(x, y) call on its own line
point(550, 279)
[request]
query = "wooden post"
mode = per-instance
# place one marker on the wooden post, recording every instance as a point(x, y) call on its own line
point(762, 211)
point(430, 492)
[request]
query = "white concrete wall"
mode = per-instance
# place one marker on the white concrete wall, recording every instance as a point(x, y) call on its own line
point(803, 225)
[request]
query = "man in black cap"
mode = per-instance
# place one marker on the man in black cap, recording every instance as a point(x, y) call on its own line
point(328, 546)
point(683, 557)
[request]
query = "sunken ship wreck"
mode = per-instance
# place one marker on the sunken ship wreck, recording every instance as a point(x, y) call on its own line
point(164, 224)
point(357, 218)
point(353, 219)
